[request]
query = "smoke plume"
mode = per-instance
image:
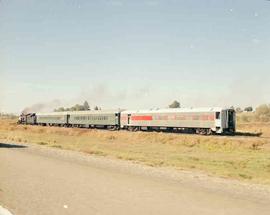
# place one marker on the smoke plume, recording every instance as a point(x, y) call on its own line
point(42, 107)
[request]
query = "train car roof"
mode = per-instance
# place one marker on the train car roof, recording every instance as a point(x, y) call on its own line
point(79, 112)
point(52, 114)
point(177, 110)
point(94, 112)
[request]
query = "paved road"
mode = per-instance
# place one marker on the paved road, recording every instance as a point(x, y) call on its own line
point(48, 182)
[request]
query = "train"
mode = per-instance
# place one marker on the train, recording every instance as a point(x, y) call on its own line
point(205, 121)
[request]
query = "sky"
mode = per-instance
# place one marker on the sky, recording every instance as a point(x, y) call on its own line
point(134, 54)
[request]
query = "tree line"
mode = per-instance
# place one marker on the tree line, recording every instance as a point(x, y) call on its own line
point(260, 114)
point(175, 104)
point(246, 109)
point(83, 107)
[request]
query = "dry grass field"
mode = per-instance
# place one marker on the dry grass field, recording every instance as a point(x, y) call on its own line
point(245, 156)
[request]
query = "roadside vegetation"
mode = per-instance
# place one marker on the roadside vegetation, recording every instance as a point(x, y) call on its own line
point(245, 156)
point(8, 116)
point(261, 114)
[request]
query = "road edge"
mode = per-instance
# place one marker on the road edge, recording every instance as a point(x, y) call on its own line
point(199, 179)
point(4, 211)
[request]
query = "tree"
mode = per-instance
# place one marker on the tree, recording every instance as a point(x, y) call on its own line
point(76, 107)
point(175, 104)
point(61, 109)
point(248, 109)
point(263, 109)
point(72, 108)
point(96, 108)
point(262, 113)
point(238, 110)
point(79, 107)
point(86, 106)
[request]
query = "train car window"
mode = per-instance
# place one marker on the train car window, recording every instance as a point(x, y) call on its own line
point(217, 115)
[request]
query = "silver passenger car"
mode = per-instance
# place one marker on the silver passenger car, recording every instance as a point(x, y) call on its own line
point(54, 118)
point(200, 120)
point(96, 118)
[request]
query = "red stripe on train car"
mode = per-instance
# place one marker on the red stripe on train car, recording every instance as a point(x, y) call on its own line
point(204, 117)
point(195, 117)
point(141, 118)
point(180, 118)
point(211, 117)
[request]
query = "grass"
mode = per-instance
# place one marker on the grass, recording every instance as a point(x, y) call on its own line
point(242, 157)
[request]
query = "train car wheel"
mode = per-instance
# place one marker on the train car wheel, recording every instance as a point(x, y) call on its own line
point(112, 127)
point(129, 128)
point(209, 131)
point(136, 129)
point(203, 131)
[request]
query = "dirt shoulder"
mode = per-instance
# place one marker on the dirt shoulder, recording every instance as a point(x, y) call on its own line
point(243, 157)
point(43, 180)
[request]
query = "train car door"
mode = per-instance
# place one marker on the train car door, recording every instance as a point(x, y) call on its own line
point(231, 120)
point(129, 116)
point(68, 118)
point(218, 122)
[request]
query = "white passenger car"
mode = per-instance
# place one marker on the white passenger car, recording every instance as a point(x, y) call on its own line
point(200, 120)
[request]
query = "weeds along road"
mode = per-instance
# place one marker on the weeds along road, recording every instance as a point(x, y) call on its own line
point(36, 180)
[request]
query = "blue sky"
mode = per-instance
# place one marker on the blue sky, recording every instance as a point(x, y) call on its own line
point(134, 54)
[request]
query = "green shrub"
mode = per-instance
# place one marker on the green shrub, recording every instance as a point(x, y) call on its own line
point(262, 113)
